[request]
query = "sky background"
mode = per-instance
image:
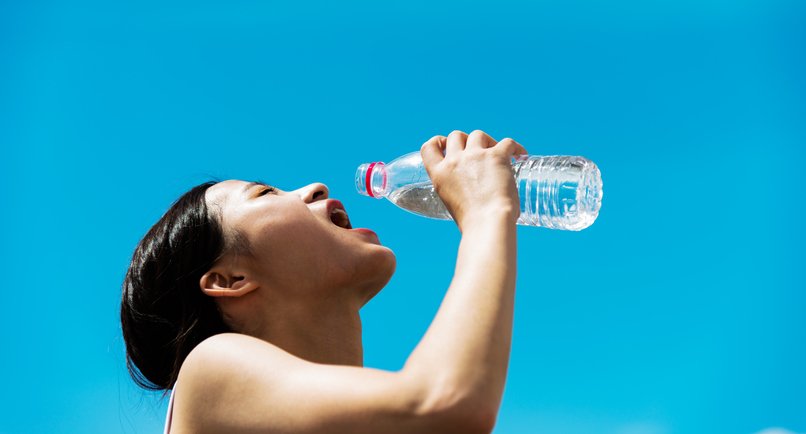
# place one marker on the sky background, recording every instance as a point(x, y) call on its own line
point(681, 310)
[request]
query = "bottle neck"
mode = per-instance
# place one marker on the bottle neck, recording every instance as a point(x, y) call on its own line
point(370, 179)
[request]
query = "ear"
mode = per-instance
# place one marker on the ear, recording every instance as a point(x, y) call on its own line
point(217, 283)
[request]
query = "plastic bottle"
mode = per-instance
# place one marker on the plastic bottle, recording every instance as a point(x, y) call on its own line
point(557, 192)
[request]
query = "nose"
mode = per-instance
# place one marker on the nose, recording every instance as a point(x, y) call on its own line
point(313, 192)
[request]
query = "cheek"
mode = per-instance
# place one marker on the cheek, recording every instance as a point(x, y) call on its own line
point(294, 246)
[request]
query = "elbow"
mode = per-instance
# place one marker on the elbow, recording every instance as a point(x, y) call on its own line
point(470, 422)
point(454, 409)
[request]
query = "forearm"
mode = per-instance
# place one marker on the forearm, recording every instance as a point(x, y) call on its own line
point(465, 351)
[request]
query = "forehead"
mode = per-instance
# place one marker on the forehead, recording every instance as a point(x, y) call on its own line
point(228, 186)
point(223, 191)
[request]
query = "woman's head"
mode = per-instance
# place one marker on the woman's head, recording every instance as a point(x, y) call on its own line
point(230, 255)
point(301, 245)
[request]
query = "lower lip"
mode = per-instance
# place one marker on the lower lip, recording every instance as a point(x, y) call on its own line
point(365, 231)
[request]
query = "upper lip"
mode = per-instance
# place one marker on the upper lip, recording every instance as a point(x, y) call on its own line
point(337, 214)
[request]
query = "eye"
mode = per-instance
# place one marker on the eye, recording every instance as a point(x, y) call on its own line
point(265, 191)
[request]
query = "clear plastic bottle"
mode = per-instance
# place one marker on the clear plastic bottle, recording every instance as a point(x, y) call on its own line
point(556, 192)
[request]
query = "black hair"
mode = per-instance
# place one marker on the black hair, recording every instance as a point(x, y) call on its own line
point(163, 312)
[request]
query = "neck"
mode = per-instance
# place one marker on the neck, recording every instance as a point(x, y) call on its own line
point(327, 335)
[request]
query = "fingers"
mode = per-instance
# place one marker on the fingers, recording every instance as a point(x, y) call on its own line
point(456, 141)
point(480, 139)
point(511, 148)
point(432, 151)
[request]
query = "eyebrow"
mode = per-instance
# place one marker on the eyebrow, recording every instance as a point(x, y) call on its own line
point(248, 186)
point(252, 184)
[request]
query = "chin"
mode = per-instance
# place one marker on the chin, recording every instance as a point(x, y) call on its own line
point(383, 267)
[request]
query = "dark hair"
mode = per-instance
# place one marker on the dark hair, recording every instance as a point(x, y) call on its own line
point(163, 312)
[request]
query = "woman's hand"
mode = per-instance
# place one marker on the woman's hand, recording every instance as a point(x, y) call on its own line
point(473, 175)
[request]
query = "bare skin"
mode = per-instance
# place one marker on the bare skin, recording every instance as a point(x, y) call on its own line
point(295, 365)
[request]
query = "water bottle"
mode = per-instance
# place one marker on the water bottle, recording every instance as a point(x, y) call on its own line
point(556, 192)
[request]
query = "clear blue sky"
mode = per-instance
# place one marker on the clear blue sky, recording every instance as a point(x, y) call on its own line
point(681, 310)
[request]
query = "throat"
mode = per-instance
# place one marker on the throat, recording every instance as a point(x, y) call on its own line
point(332, 338)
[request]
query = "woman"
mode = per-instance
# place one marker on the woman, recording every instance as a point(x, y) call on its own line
point(243, 300)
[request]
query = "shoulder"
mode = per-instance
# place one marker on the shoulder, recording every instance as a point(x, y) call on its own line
point(223, 370)
point(223, 341)
point(228, 357)
point(235, 383)
point(224, 346)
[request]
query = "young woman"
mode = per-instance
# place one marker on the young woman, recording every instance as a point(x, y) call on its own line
point(243, 300)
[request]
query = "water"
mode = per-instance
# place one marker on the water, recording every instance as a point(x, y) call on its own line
point(555, 192)
point(421, 199)
point(558, 192)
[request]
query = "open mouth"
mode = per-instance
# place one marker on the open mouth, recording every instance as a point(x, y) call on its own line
point(338, 216)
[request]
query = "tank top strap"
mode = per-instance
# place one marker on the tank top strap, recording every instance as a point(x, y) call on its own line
point(169, 416)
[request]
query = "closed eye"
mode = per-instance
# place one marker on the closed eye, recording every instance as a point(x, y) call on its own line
point(265, 191)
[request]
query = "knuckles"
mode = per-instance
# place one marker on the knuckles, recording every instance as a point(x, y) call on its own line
point(436, 140)
point(506, 145)
point(477, 134)
point(509, 147)
point(457, 134)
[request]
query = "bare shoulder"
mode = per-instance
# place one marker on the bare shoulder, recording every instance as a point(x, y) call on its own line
point(223, 341)
point(226, 346)
point(219, 356)
point(233, 358)
point(235, 383)
point(221, 374)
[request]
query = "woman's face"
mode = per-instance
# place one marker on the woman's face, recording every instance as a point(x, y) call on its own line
point(301, 241)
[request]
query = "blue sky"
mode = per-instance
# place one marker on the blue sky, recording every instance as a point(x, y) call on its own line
point(681, 310)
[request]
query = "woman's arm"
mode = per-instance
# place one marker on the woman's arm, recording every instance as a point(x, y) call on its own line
point(454, 379)
point(469, 340)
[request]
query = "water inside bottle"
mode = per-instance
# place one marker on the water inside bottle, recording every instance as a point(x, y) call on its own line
point(557, 192)
point(551, 195)
point(420, 199)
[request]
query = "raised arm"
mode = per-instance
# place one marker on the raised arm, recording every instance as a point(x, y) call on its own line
point(469, 340)
point(454, 379)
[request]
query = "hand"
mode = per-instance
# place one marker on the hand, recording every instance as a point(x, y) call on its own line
point(473, 175)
